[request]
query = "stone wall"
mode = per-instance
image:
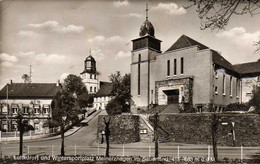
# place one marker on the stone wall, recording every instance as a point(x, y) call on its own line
point(123, 128)
point(196, 128)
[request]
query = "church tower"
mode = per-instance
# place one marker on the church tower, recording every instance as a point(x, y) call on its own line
point(144, 51)
point(90, 75)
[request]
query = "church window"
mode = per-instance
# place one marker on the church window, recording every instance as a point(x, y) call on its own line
point(224, 85)
point(90, 89)
point(168, 67)
point(231, 85)
point(182, 65)
point(139, 72)
point(175, 67)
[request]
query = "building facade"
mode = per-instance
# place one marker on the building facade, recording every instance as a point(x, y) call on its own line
point(188, 73)
point(31, 100)
point(100, 90)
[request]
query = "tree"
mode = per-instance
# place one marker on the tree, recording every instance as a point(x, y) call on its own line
point(23, 126)
point(215, 14)
point(65, 105)
point(26, 78)
point(121, 89)
point(255, 101)
point(107, 134)
point(214, 130)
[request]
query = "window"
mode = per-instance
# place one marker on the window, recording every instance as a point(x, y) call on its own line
point(168, 67)
point(216, 90)
point(36, 110)
point(231, 86)
point(95, 89)
point(95, 76)
point(216, 74)
point(237, 87)
point(14, 110)
point(175, 67)
point(45, 110)
point(182, 65)
point(139, 74)
point(224, 85)
point(90, 76)
point(199, 109)
point(4, 109)
point(90, 89)
point(25, 110)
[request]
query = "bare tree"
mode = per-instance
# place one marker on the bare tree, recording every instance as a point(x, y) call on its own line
point(215, 14)
point(107, 134)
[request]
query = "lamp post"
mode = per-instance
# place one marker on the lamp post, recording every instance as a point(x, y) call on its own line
point(62, 134)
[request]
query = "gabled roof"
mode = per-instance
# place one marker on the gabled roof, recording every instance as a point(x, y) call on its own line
point(29, 90)
point(105, 89)
point(249, 69)
point(185, 41)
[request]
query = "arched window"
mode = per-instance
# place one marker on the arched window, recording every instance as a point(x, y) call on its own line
point(90, 89)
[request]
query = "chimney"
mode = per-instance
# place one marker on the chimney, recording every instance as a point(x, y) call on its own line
point(58, 83)
point(11, 81)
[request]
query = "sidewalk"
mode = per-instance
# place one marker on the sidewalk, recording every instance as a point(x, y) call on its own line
point(69, 132)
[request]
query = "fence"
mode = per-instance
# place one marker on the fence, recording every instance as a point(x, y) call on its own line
point(144, 151)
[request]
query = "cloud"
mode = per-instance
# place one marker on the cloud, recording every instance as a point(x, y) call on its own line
point(7, 60)
point(240, 36)
point(56, 27)
point(122, 54)
point(103, 39)
point(42, 57)
point(4, 57)
point(121, 3)
point(98, 38)
point(26, 33)
point(170, 8)
point(136, 15)
point(52, 58)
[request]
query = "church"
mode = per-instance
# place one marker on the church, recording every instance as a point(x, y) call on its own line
point(187, 74)
point(101, 91)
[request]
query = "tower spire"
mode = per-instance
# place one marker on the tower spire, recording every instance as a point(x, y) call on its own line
point(90, 51)
point(146, 11)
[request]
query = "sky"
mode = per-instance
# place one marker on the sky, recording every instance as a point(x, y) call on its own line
point(55, 36)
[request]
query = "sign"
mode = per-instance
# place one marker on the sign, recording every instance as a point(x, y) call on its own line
point(143, 131)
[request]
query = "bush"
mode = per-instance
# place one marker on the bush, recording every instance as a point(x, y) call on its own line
point(114, 107)
point(237, 107)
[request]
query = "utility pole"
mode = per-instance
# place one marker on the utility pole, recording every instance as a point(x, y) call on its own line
point(156, 145)
point(30, 73)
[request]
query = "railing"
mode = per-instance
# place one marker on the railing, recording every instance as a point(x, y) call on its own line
point(177, 152)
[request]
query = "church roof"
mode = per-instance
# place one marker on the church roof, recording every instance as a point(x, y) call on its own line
point(248, 69)
point(90, 58)
point(29, 90)
point(105, 89)
point(146, 29)
point(185, 41)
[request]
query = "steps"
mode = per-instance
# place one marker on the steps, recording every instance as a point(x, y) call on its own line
point(171, 108)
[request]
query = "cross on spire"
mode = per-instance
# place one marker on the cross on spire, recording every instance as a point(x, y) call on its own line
point(146, 11)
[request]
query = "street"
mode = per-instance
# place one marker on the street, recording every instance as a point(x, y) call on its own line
point(83, 142)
